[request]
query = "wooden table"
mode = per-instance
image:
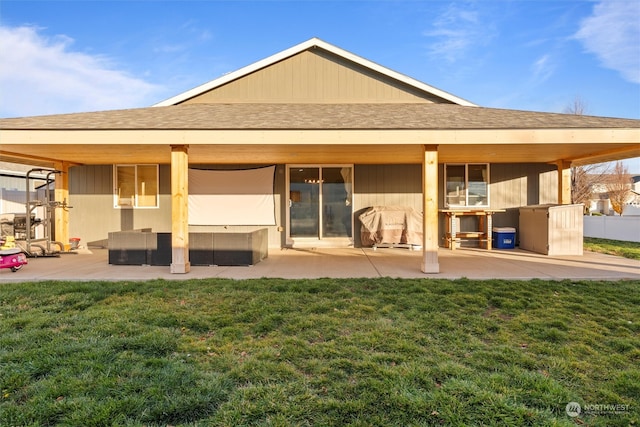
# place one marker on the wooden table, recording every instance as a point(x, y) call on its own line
point(482, 233)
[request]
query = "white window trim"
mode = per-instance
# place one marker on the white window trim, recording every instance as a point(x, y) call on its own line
point(466, 186)
point(116, 198)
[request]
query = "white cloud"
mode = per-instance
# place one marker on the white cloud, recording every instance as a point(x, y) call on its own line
point(612, 33)
point(458, 30)
point(543, 68)
point(41, 75)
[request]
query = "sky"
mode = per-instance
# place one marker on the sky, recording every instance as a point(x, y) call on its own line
point(72, 56)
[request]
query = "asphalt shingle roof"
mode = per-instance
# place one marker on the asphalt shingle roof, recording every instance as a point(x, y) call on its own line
point(314, 116)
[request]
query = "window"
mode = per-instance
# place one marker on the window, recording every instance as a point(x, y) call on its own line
point(467, 185)
point(136, 186)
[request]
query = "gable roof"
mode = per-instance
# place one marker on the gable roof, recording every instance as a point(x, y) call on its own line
point(318, 132)
point(316, 117)
point(311, 44)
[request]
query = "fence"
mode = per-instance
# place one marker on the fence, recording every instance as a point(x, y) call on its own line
point(625, 228)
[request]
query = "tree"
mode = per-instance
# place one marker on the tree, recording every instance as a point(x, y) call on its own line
point(619, 187)
point(583, 177)
point(577, 107)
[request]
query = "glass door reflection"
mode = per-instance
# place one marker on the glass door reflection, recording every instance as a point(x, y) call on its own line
point(336, 202)
point(320, 202)
point(304, 202)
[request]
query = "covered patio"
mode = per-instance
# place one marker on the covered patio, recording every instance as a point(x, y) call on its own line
point(474, 264)
point(364, 134)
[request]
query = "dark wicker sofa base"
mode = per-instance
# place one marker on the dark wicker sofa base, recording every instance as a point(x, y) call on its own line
point(144, 247)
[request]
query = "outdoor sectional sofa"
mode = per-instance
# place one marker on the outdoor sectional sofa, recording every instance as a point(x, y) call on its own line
point(145, 247)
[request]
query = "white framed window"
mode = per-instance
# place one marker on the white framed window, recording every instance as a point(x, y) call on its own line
point(466, 185)
point(135, 186)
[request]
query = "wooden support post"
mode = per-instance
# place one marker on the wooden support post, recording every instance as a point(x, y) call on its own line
point(430, 262)
point(564, 182)
point(61, 194)
point(180, 209)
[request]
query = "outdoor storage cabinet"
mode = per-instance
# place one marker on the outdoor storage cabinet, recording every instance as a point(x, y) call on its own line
point(552, 229)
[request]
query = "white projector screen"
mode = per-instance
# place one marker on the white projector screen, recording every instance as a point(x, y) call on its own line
point(232, 197)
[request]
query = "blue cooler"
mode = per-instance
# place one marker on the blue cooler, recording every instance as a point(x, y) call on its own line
point(504, 237)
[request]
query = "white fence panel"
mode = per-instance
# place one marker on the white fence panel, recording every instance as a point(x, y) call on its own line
point(631, 209)
point(625, 228)
point(13, 201)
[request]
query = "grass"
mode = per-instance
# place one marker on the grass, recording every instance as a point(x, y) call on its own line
point(613, 247)
point(322, 352)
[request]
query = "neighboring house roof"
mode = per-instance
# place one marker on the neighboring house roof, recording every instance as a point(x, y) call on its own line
point(316, 116)
point(310, 44)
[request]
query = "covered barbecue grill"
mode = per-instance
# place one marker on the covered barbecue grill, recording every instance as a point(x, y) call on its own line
point(391, 226)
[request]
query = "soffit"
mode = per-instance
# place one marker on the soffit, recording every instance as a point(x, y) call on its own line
point(46, 155)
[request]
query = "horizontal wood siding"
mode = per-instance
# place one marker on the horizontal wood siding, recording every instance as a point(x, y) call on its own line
point(316, 76)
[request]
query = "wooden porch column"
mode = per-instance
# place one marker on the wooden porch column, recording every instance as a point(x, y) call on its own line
point(430, 210)
point(564, 182)
point(61, 194)
point(180, 209)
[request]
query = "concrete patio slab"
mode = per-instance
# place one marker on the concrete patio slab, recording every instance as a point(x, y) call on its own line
point(479, 264)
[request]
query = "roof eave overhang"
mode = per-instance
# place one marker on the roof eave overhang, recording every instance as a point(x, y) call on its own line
point(321, 136)
point(374, 146)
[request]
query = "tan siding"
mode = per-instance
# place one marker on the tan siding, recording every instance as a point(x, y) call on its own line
point(385, 185)
point(512, 186)
point(93, 215)
point(548, 186)
point(312, 77)
point(520, 184)
point(91, 179)
point(164, 184)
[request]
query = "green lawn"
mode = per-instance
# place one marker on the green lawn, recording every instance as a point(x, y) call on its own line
point(613, 247)
point(319, 353)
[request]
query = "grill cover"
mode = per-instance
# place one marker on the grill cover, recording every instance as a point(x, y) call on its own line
point(391, 225)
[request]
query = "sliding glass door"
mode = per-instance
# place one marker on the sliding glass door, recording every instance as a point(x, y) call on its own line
point(320, 202)
point(304, 202)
